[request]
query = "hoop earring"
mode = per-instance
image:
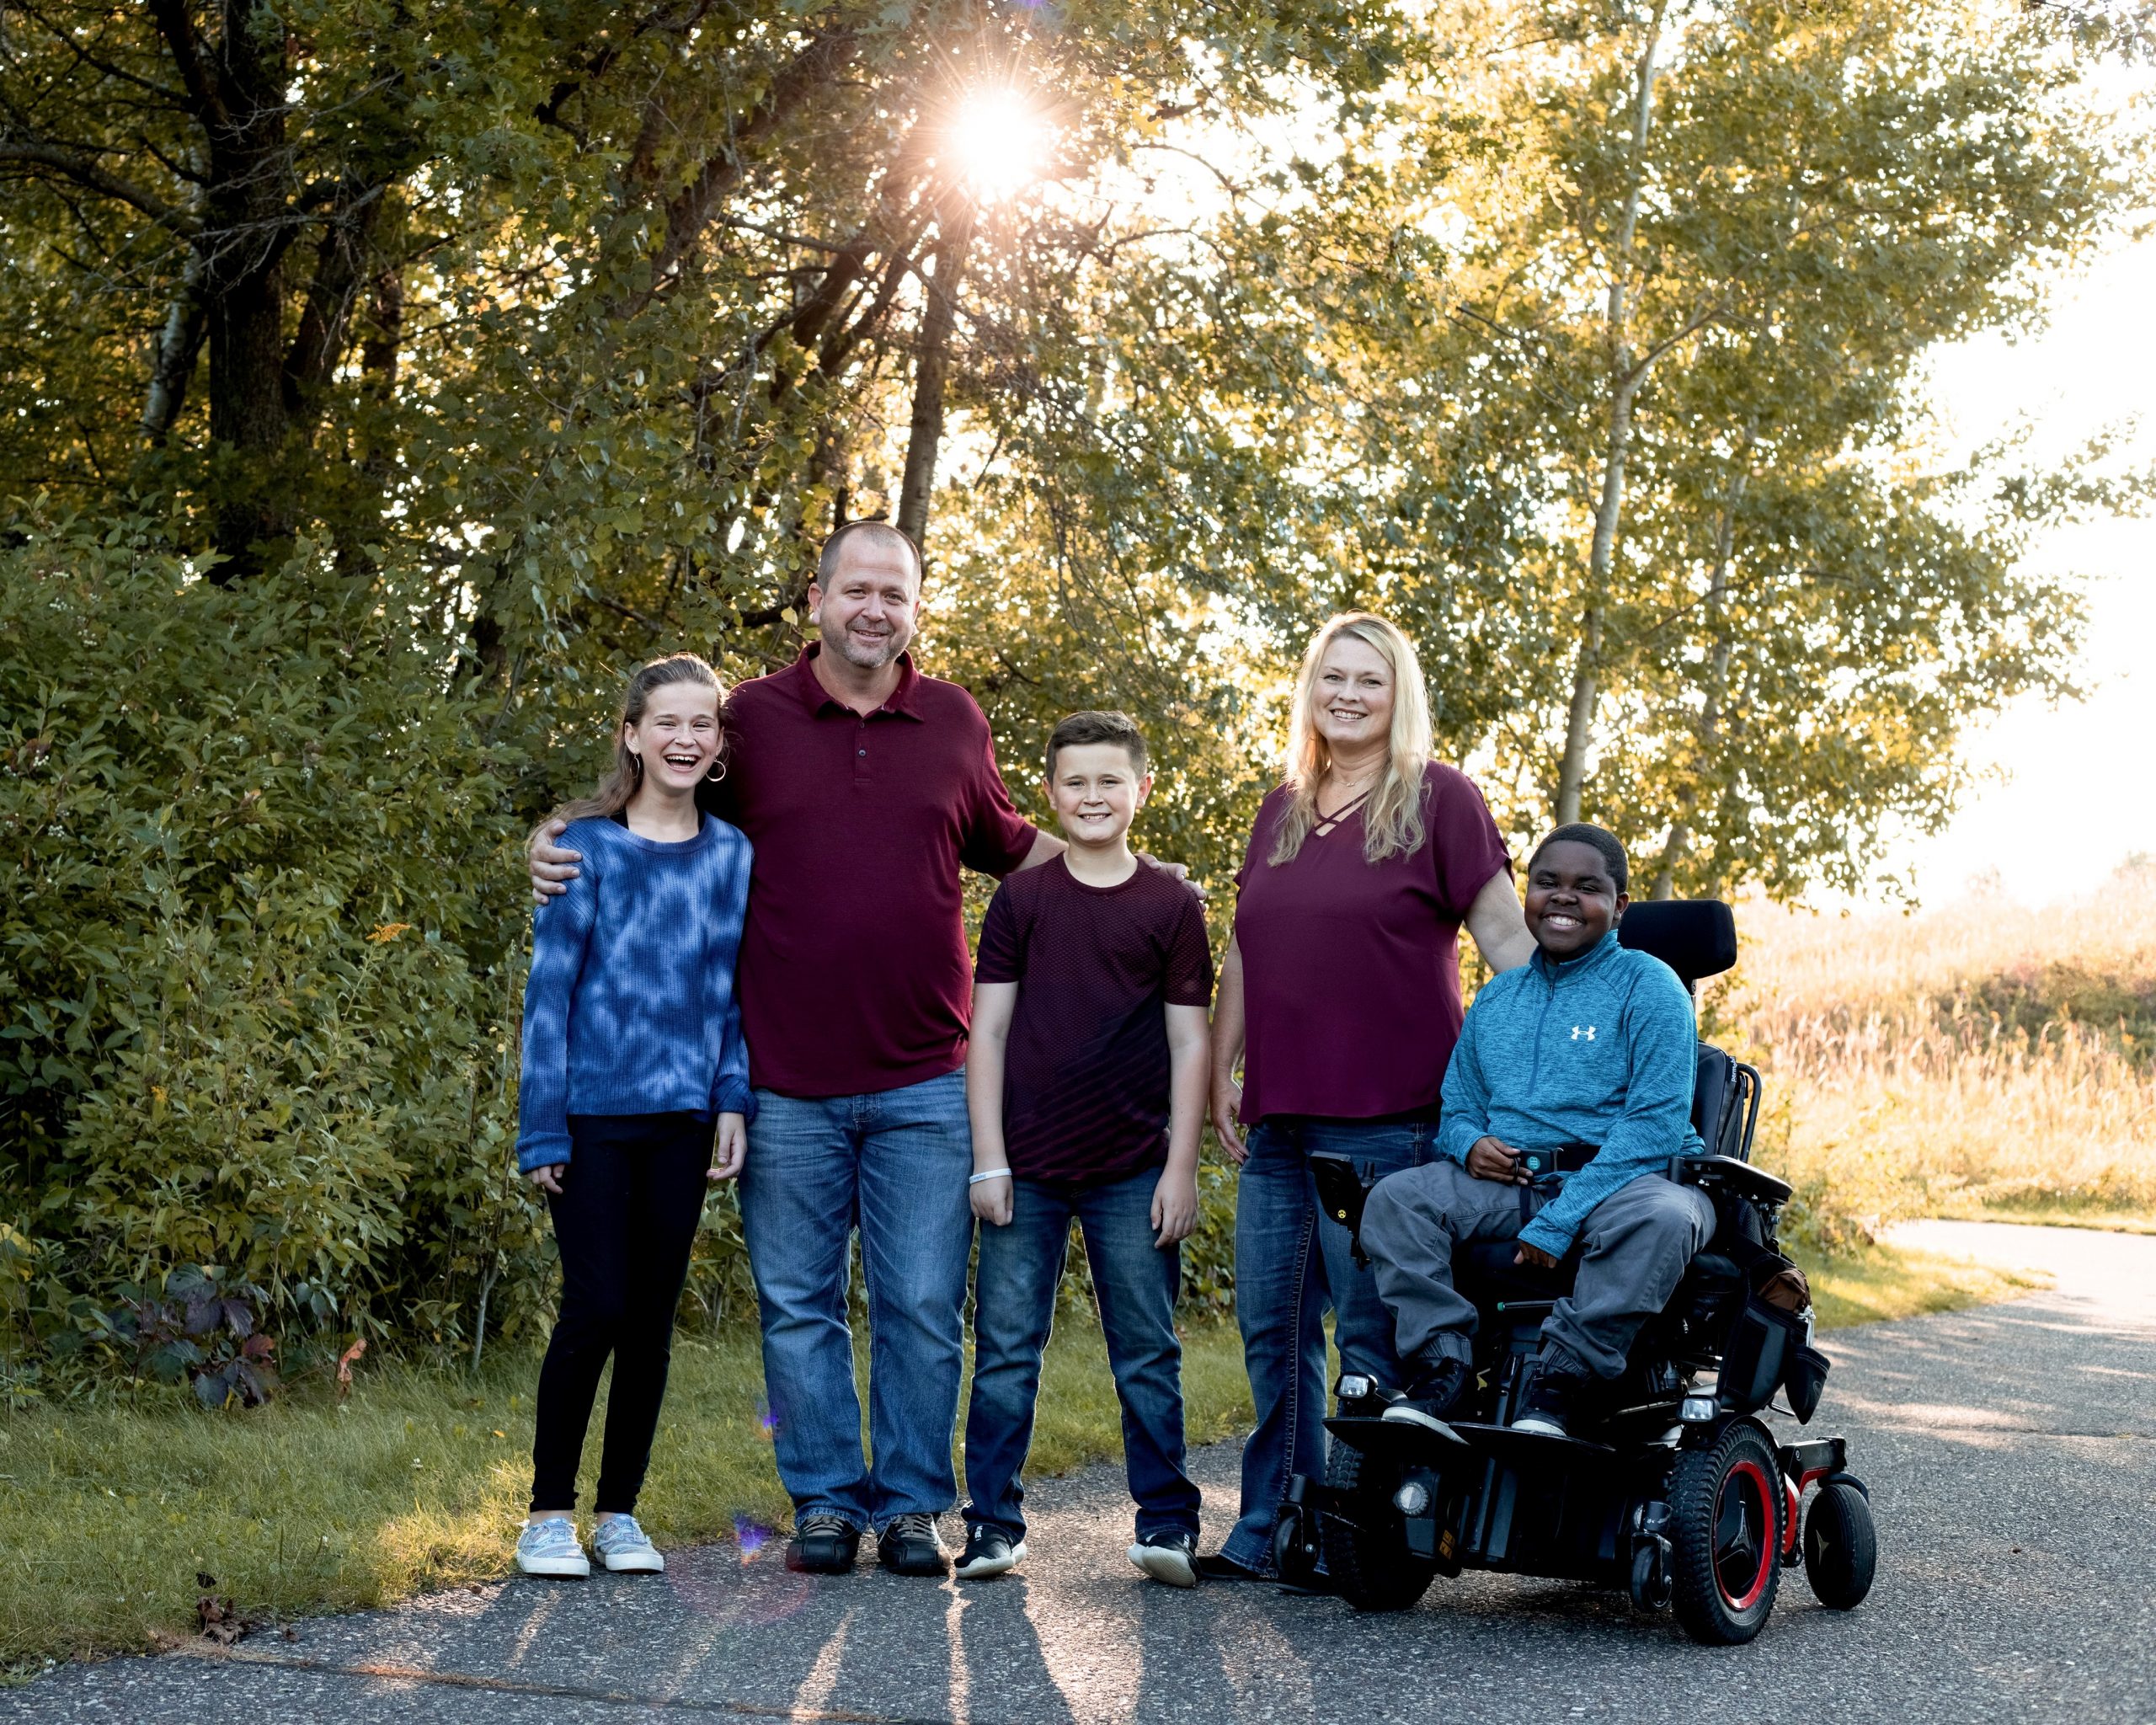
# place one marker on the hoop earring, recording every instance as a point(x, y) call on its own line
point(717, 773)
point(636, 760)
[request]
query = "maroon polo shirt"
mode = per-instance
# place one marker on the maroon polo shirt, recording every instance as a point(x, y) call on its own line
point(853, 972)
point(1351, 968)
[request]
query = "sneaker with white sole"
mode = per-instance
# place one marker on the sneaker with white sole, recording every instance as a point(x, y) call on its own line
point(625, 1548)
point(988, 1551)
point(551, 1548)
point(1170, 1557)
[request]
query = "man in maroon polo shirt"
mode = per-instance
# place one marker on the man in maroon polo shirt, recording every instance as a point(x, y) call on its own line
point(865, 787)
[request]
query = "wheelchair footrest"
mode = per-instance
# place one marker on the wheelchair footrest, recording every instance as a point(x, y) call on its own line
point(1410, 1445)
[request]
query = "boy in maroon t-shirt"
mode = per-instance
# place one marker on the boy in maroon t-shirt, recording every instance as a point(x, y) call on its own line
point(1085, 1081)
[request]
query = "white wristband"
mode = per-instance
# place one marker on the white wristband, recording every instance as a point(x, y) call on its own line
point(989, 1174)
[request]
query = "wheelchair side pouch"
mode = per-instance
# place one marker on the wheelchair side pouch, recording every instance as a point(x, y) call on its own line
point(1769, 1350)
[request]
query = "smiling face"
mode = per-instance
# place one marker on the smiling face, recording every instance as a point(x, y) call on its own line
point(1571, 901)
point(678, 738)
point(867, 615)
point(1097, 791)
point(1351, 698)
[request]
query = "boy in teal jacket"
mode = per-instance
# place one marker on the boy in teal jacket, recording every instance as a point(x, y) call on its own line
point(1588, 1043)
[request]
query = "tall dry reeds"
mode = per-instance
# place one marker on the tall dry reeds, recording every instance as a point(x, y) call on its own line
point(1984, 1058)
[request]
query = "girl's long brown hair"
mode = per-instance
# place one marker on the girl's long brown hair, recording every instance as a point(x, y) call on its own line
point(621, 783)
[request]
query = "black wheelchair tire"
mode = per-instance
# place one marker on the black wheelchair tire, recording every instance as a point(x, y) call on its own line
point(1292, 1562)
point(1727, 1506)
point(1367, 1557)
point(1841, 1548)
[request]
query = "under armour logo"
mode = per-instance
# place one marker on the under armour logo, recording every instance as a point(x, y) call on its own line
point(1580, 1031)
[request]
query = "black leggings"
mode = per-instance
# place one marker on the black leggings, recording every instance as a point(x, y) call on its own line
point(631, 1197)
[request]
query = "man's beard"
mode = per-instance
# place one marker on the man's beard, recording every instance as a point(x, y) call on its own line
point(866, 654)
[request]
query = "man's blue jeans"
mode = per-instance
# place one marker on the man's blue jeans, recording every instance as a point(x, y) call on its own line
point(1291, 1261)
point(893, 1163)
point(1134, 1282)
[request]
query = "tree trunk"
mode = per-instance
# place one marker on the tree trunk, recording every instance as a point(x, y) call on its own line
point(1625, 377)
point(180, 344)
point(247, 226)
point(1680, 829)
point(930, 374)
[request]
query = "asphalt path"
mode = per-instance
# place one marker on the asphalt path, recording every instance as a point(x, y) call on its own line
point(2011, 1454)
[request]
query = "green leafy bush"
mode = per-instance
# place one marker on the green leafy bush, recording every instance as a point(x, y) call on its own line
point(261, 920)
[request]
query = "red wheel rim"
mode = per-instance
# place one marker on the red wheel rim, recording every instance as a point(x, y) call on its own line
point(1744, 1534)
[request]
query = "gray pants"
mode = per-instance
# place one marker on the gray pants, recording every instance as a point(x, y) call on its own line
point(1634, 1247)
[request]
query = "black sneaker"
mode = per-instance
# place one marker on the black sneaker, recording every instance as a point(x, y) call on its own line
point(911, 1546)
point(1550, 1402)
point(1436, 1393)
point(823, 1544)
point(988, 1551)
point(1170, 1557)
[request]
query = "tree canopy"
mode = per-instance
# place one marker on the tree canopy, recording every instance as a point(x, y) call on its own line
point(380, 378)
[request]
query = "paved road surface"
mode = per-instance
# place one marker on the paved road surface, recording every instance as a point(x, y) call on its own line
point(2011, 1452)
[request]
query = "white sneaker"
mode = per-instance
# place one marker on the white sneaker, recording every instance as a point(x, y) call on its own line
point(1170, 1557)
point(625, 1548)
point(550, 1547)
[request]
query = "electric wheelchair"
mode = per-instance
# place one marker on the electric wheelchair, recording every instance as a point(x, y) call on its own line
point(1672, 1486)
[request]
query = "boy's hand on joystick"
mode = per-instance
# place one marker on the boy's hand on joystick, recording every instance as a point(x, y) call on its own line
point(1493, 1159)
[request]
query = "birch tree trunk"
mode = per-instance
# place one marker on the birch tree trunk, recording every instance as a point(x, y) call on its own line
point(1625, 377)
point(1680, 829)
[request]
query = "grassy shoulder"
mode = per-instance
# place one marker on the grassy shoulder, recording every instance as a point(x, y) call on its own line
point(417, 1480)
point(1883, 1282)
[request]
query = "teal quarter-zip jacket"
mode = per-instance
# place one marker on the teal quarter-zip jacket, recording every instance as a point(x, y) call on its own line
point(1600, 1049)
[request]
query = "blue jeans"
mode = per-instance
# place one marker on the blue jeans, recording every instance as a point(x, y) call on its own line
point(893, 1163)
point(1134, 1282)
point(1291, 1261)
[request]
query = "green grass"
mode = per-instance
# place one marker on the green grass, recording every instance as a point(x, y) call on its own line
point(1881, 1282)
point(419, 1481)
point(2048, 1209)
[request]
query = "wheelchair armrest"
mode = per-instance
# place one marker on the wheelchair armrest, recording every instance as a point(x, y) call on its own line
point(1726, 1171)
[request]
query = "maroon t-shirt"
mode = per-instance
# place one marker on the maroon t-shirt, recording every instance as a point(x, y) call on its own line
point(853, 974)
point(1085, 1088)
point(1350, 969)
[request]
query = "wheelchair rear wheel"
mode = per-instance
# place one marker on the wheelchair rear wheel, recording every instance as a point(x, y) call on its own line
point(1726, 1503)
point(1366, 1552)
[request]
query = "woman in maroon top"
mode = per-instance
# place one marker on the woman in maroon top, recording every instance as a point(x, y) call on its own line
point(1340, 995)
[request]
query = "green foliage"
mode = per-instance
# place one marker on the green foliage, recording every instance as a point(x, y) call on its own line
point(257, 900)
point(551, 337)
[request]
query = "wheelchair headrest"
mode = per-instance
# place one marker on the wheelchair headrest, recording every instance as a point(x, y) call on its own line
point(1696, 938)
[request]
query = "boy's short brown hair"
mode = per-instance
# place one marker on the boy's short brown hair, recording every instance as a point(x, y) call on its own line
point(1082, 728)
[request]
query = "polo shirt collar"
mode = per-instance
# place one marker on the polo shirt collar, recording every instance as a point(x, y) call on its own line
point(816, 698)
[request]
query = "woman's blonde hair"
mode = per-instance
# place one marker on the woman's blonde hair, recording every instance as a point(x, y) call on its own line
point(1392, 818)
point(613, 791)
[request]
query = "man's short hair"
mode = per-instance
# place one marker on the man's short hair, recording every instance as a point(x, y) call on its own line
point(876, 532)
point(1082, 728)
point(1579, 833)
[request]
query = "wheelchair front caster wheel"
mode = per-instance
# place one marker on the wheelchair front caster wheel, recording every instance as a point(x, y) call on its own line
point(1294, 1546)
point(1841, 1550)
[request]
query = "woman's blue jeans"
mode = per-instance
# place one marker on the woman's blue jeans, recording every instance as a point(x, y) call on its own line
point(1291, 1262)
